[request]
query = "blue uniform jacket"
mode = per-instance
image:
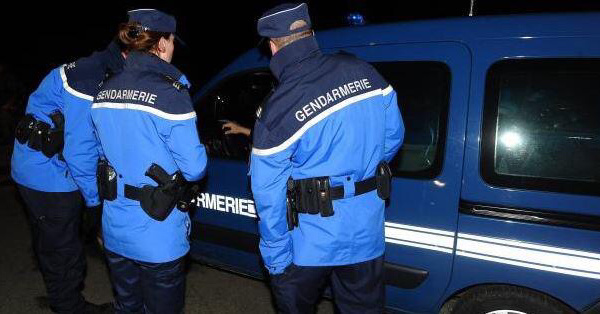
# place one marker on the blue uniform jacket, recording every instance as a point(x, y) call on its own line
point(68, 89)
point(331, 115)
point(142, 117)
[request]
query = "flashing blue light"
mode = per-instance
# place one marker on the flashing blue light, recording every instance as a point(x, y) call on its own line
point(355, 19)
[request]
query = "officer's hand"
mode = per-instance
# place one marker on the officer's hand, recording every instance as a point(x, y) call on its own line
point(234, 128)
point(92, 220)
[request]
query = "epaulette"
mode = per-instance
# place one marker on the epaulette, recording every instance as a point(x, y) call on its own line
point(107, 76)
point(175, 83)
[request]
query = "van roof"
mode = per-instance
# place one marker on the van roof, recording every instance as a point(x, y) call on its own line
point(465, 29)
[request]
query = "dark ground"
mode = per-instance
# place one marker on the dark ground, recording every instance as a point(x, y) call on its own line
point(22, 290)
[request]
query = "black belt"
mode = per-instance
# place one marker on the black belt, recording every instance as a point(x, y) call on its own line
point(360, 187)
point(133, 193)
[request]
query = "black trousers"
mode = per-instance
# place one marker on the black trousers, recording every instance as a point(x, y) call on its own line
point(357, 288)
point(142, 287)
point(55, 220)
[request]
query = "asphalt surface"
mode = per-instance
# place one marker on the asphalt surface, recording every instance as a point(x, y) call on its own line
point(22, 290)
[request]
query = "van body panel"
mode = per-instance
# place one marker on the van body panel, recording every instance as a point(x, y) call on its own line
point(428, 229)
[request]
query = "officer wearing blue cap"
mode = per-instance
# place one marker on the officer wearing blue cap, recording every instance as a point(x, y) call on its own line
point(318, 170)
point(147, 129)
point(54, 164)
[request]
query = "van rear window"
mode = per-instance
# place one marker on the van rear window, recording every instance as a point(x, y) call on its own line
point(541, 127)
point(423, 90)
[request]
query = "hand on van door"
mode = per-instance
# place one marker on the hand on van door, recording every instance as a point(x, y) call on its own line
point(231, 127)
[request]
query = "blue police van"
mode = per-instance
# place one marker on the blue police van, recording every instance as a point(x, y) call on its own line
point(495, 205)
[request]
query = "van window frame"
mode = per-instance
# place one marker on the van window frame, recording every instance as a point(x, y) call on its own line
point(489, 125)
point(220, 84)
point(436, 168)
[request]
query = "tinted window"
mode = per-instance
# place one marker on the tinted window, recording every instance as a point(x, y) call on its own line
point(423, 93)
point(236, 99)
point(542, 125)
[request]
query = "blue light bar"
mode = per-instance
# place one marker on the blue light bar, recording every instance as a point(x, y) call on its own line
point(355, 19)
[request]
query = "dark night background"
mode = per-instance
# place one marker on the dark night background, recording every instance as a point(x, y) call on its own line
point(38, 37)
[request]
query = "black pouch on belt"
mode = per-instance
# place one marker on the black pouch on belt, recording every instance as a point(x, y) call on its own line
point(38, 135)
point(24, 128)
point(313, 196)
point(107, 181)
point(383, 176)
point(54, 141)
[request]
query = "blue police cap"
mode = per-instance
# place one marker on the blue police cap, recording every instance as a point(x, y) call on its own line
point(153, 20)
point(277, 21)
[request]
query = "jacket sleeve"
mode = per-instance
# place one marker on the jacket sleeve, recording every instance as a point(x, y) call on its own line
point(269, 175)
point(181, 136)
point(394, 126)
point(81, 144)
point(47, 98)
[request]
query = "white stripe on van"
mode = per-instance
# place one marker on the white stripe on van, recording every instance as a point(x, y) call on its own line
point(505, 251)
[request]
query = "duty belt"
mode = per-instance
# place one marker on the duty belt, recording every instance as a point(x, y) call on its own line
point(360, 187)
point(314, 195)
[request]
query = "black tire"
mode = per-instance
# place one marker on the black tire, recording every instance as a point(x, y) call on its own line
point(510, 299)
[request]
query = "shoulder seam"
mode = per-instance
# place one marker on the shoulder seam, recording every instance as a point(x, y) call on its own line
point(314, 121)
point(68, 88)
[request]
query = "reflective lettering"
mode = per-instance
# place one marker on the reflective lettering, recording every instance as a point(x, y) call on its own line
point(228, 204)
point(220, 203)
point(330, 97)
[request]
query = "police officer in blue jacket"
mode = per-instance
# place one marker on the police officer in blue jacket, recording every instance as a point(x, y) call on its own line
point(54, 158)
point(147, 129)
point(322, 140)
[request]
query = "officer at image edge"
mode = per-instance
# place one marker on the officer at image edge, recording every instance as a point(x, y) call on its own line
point(54, 164)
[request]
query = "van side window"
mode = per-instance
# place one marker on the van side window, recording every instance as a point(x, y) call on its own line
point(235, 99)
point(541, 127)
point(423, 95)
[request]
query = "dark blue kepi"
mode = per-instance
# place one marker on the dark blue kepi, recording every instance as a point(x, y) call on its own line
point(277, 21)
point(155, 21)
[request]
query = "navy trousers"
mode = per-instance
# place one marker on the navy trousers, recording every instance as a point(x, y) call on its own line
point(356, 288)
point(142, 287)
point(55, 220)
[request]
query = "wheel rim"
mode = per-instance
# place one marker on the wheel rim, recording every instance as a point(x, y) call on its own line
point(505, 312)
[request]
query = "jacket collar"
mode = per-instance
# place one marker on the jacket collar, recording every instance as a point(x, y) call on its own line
point(112, 58)
point(293, 54)
point(142, 61)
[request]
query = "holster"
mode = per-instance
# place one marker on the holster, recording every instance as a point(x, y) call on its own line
point(107, 181)
point(159, 201)
point(383, 176)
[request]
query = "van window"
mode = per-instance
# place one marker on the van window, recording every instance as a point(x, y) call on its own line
point(235, 99)
point(541, 127)
point(423, 95)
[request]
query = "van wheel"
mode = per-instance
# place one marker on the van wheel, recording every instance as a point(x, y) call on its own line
point(508, 300)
